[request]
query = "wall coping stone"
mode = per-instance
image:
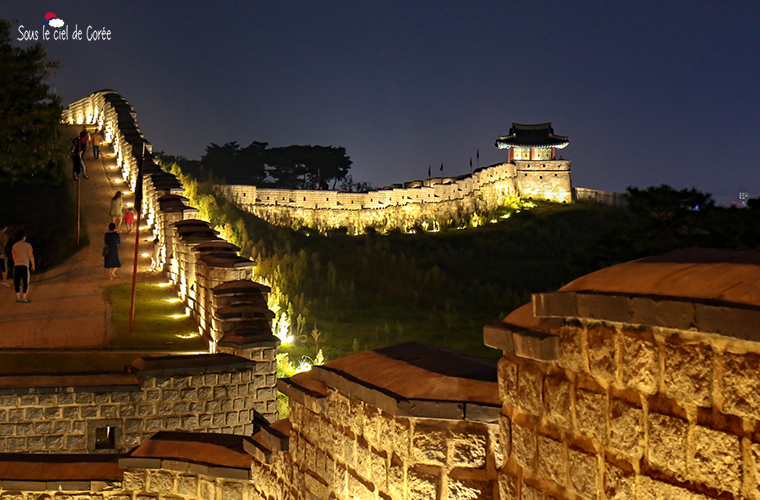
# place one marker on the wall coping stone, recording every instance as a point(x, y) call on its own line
point(186, 365)
point(58, 469)
point(239, 286)
point(731, 319)
point(43, 383)
point(215, 454)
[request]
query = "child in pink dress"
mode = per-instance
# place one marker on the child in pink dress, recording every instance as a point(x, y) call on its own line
point(129, 219)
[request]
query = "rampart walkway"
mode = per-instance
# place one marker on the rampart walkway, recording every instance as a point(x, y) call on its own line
point(68, 304)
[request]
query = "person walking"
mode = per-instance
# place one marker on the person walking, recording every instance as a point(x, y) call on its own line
point(23, 261)
point(97, 140)
point(77, 164)
point(117, 204)
point(4, 264)
point(111, 242)
point(84, 138)
point(155, 256)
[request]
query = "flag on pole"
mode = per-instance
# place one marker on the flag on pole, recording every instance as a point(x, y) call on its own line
point(441, 167)
point(428, 171)
point(470, 165)
point(478, 154)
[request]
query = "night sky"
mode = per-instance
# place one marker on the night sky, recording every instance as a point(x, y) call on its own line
point(649, 92)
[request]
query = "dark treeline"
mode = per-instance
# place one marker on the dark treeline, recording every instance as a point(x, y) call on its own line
point(289, 167)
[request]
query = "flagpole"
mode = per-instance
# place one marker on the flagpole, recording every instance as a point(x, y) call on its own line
point(138, 208)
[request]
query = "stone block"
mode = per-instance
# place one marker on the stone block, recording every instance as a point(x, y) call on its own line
point(652, 489)
point(127, 411)
point(688, 373)
point(602, 349)
point(571, 348)
point(740, 384)
point(160, 481)
point(626, 429)
point(507, 372)
point(470, 489)
point(153, 396)
point(28, 400)
point(187, 485)
point(591, 413)
point(668, 313)
point(468, 449)
point(584, 476)
point(640, 362)
point(529, 389)
point(667, 444)
point(232, 491)
point(497, 335)
point(75, 443)
point(15, 415)
point(524, 446)
point(508, 487)
point(531, 493)
point(618, 483)
point(165, 409)
point(379, 471)
point(135, 480)
point(429, 445)
point(604, 307)
point(52, 413)
point(557, 402)
point(717, 459)
point(422, 486)
point(539, 346)
point(552, 462)
point(40, 428)
point(555, 305)
point(34, 414)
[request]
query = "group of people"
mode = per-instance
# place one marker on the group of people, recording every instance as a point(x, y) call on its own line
point(79, 148)
point(112, 239)
point(22, 256)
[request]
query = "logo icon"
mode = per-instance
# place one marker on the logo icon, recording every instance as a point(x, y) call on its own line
point(53, 20)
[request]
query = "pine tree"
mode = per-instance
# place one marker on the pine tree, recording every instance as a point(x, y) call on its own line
point(29, 112)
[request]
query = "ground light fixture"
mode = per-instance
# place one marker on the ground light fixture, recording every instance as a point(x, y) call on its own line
point(165, 284)
point(144, 255)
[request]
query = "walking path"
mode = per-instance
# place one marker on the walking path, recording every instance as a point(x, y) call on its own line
point(68, 305)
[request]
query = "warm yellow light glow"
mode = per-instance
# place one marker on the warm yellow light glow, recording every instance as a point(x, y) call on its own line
point(177, 316)
point(112, 167)
point(144, 255)
point(189, 335)
point(173, 301)
point(164, 284)
point(130, 204)
point(126, 192)
point(117, 181)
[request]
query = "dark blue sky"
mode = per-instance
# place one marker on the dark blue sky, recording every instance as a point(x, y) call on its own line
point(649, 92)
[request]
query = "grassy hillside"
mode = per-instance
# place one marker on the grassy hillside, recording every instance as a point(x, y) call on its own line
point(348, 293)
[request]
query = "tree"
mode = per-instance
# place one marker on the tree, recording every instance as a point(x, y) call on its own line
point(29, 112)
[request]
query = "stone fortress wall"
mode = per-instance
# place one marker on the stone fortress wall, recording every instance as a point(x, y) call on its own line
point(635, 382)
point(431, 203)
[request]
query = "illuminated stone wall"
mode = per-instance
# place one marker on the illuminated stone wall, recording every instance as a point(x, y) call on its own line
point(431, 204)
point(351, 449)
point(216, 397)
point(619, 411)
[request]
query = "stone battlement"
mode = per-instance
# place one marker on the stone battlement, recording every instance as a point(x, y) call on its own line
point(433, 202)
